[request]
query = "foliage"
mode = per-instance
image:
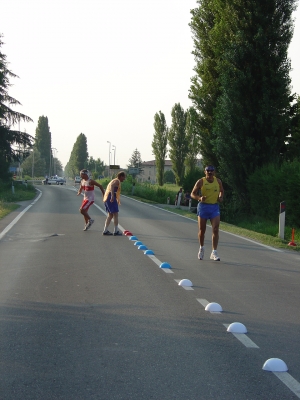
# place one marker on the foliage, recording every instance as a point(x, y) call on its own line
point(96, 166)
point(155, 193)
point(192, 136)
point(191, 178)
point(293, 139)
point(178, 141)
point(135, 160)
point(242, 86)
point(39, 167)
point(43, 142)
point(21, 192)
point(169, 177)
point(78, 157)
point(275, 183)
point(205, 86)
point(159, 145)
point(12, 142)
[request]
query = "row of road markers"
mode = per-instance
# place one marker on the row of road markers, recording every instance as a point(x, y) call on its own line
point(275, 365)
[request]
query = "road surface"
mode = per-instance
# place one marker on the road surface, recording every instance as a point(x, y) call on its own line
point(85, 316)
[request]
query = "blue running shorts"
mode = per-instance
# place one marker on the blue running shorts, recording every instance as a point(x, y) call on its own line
point(113, 207)
point(208, 211)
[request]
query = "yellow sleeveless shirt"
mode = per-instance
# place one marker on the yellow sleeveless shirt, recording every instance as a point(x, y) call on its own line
point(210, 190)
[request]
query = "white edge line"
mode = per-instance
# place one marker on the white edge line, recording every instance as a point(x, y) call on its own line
point(229, 233)
point(289, 381)
point(14, 221)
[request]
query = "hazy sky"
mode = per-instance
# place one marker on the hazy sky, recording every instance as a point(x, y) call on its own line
point(103, 68)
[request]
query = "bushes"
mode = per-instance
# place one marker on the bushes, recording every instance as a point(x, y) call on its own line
point(21, 192)
point(272, 184)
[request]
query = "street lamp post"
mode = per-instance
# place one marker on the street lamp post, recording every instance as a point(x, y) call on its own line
point(108, 168)
point(114, 150)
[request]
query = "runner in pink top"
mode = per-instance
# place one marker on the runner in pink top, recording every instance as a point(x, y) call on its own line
point(87, 185)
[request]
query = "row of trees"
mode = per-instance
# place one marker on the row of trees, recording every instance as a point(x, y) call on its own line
point(244, 115)
point(181, 141)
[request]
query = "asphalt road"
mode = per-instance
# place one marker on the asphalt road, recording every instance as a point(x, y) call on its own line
point(84, 316)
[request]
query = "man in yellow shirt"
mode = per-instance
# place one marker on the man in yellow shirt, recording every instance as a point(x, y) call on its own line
point(211, 195)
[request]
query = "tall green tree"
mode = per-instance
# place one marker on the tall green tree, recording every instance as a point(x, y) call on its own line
point(178, 142)
point(252, 115)
point(78, 158)
point(193, 139)
point(205, 86)
point(43, 141)
point(159, 145)
point(11, 141)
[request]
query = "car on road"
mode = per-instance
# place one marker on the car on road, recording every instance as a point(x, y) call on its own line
point(54, 180)
point(77, 179)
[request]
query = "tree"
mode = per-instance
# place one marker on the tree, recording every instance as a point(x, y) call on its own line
point(96, 166)
point(135, 161)
point(78, 157)
point(43, 141)
point(178, 142)
point(205, 86)
point(159, 145)
point(192, 135)
point(252, 115)
point(34, 165)
point(242, 87)
point(293, 139)
point(169, 176)
point(11, 141)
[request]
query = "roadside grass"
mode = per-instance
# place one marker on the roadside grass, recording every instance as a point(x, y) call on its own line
point(6, 208)
point(8, 199)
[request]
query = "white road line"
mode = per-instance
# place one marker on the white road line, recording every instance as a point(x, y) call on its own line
point(13, 222)
point(289, 381)
point(158, 262)
point(184, 287)
point(243, 339)
point(204, 302)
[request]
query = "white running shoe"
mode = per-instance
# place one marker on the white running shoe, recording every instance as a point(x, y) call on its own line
point(214, 256)
point(201, 253)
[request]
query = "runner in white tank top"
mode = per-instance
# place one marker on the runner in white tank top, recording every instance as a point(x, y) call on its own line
point(87, 185)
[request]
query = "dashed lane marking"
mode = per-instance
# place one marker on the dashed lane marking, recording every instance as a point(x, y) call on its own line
point(243, 339)
point(204, 303)
point(289, 381)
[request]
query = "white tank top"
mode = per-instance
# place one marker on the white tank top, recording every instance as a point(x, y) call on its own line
point(89, 192)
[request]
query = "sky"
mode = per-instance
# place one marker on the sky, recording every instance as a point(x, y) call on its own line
point(104, 68)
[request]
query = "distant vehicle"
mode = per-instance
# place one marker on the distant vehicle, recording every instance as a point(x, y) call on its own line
point(54, 180)
point(77, 179)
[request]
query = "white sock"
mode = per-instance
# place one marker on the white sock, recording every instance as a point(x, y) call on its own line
point(116, 229)
point(105, 228)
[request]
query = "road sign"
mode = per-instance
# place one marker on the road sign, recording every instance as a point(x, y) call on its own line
point(133, 171)
point(114, 167)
